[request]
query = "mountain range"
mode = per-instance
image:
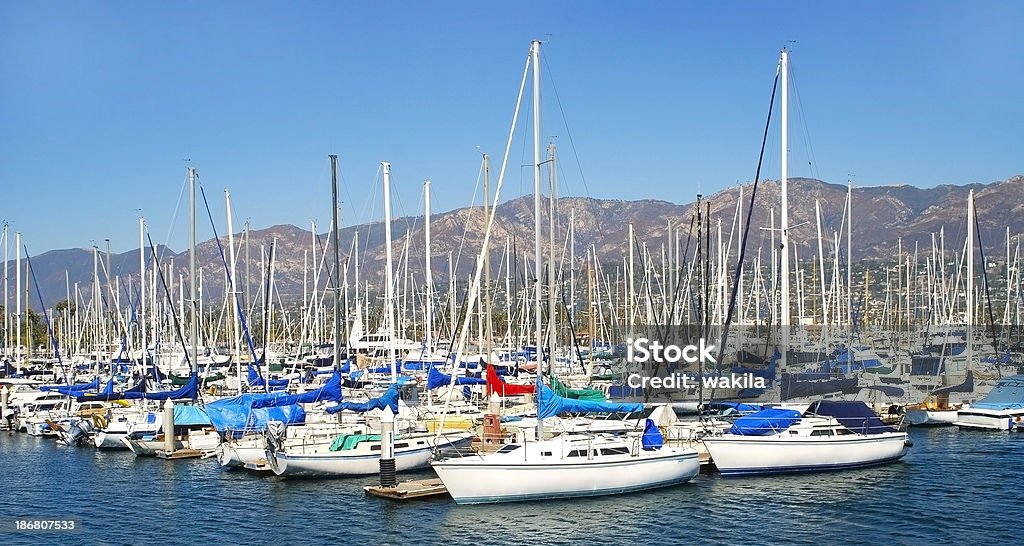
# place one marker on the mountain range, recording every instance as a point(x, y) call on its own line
point(885, 220)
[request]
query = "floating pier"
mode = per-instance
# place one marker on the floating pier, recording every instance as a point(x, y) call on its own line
point(414, 489)
point(179, 454)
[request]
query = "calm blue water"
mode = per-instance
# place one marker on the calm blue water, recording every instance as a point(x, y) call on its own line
point(953, 487)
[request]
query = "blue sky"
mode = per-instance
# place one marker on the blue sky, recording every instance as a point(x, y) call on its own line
point(101, 103)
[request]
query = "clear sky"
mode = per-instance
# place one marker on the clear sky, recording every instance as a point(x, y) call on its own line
point(102, 103)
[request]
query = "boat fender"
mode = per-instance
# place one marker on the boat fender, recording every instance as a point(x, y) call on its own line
point(908, 442)
point(98, 421)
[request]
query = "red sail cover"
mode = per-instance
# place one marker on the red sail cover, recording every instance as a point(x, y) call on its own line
point(495, 384)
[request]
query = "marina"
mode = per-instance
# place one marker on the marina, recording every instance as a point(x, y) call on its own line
point(781, 360)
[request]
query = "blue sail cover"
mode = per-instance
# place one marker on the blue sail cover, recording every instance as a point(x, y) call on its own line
point(550, 405)
point(856, 416)
point(108, 395)
point(888, 390)
point(329, 391)
point(726, 407)
point(72, 390)
point(966, 386)
point(188, 390)
point(764, 422)
point(768, 374)
point(236, 415)
point(388, 399)
point(806, 385)
point(652, 438)
point(256, 380)
point(437, 379)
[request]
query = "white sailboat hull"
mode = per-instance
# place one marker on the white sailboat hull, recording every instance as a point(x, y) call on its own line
point(475, 480)
point(410, 454)
point(749, 455)
point(242, 454)
point(104, 439)
point(931, 418)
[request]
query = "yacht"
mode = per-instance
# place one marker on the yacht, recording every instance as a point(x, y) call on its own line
point(830, 435)
point(1001, 409)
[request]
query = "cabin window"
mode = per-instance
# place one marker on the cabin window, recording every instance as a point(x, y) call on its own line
point(510, 448)
point(545, 453)
point(794, 432)
point(843, 431)
point(578, 453)
point(821, 433)
point(615, 451)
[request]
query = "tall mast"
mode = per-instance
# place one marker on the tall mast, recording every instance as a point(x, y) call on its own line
point(488, 332)
point(233, 294)
point(552, 309)
point(535, 58)
point(784, 225)
point(7, 301)
point(17, 297)
point(142, 293)
point(389, 289)
point(429, 280)
point(335, 236)
point(970, 281)
point(194, 334)
point(849, 253)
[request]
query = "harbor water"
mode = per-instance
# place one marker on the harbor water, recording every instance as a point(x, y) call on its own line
point(953, 487)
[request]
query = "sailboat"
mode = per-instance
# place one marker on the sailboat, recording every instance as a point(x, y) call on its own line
point(569, 465)
point(829, 435)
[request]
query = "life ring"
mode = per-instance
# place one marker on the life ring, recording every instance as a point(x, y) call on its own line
point(931, 403)
point(99, 421)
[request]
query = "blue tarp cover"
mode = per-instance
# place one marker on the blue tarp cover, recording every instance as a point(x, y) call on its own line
point(185, 415)
point(437, 379)
point(1008, 393)
point(764, 422)
point(856, 416)
point(550, 405)
point(329, 391)
point(388, 399)
point(237, 415)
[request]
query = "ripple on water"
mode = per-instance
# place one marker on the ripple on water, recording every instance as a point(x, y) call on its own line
point(954, 486)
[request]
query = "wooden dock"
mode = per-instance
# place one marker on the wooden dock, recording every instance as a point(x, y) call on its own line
point(179, 454)
point(414, 489)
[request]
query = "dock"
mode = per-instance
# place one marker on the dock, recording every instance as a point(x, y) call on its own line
point(179, 454)
point(414, 489)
